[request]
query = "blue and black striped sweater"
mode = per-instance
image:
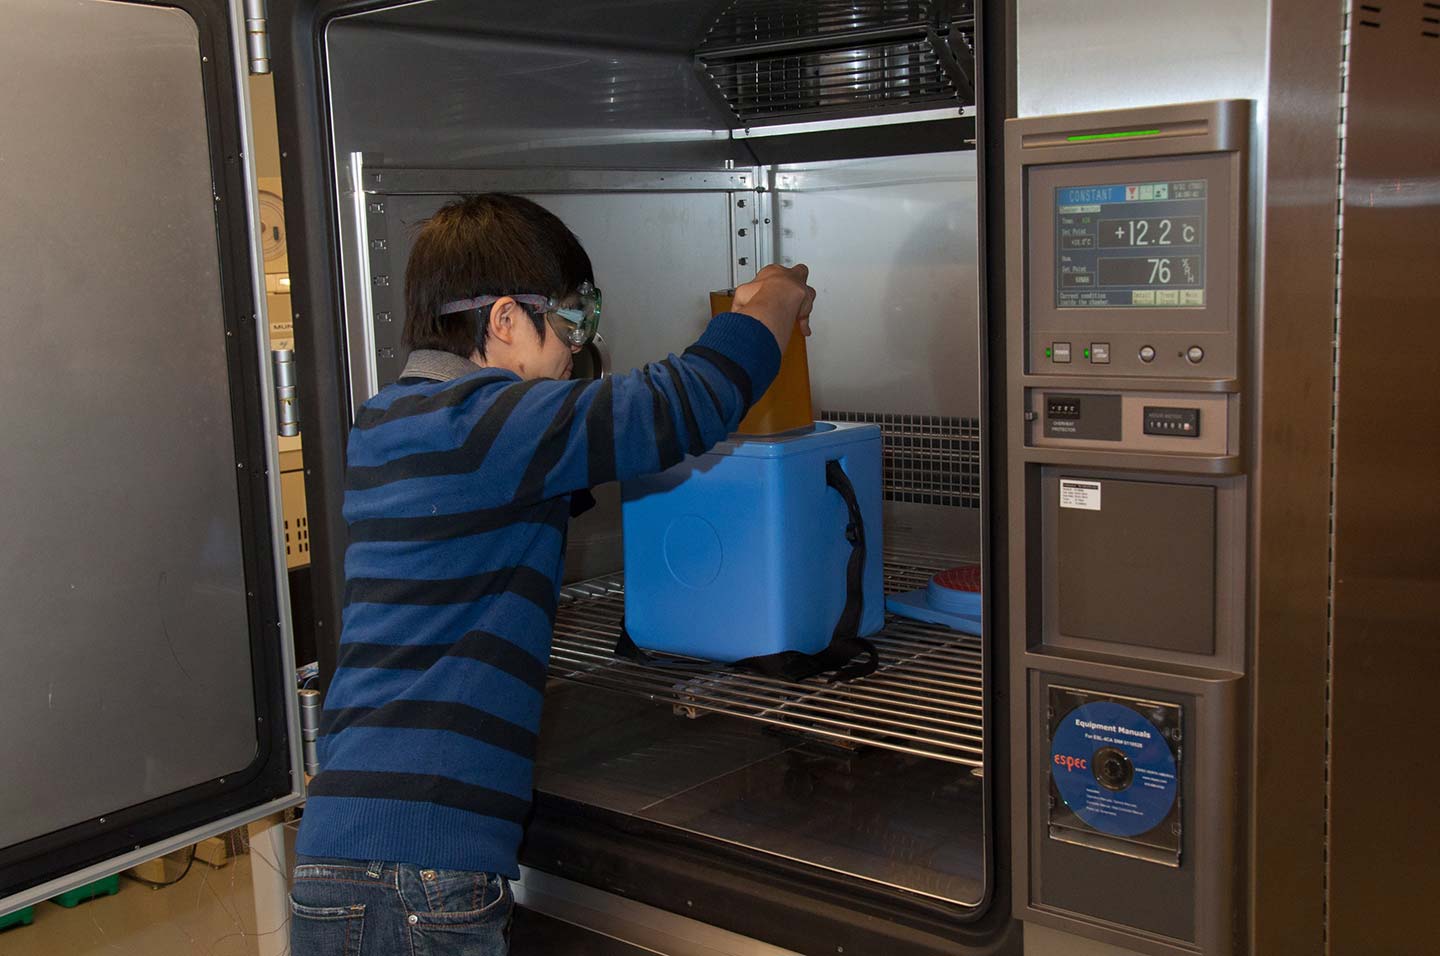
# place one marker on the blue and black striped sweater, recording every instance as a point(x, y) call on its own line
point(457, 498)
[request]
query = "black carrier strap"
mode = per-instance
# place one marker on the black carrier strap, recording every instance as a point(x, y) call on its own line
point(848, 655)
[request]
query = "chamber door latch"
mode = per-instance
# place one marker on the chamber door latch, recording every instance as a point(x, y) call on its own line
point(287, 402)
point(257, 36)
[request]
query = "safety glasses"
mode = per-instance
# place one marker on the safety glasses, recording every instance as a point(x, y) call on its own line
point(576, 324)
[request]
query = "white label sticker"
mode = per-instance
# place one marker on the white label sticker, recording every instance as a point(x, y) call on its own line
point(1084, 495)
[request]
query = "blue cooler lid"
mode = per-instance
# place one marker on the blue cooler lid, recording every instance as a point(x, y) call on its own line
point(797, 442)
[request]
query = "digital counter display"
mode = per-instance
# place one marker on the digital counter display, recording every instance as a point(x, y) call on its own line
point(1130, 245)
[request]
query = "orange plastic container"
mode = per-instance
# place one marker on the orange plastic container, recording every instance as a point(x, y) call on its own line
point(785, 406)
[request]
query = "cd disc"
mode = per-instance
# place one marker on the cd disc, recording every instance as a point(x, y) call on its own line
point(1113, 768)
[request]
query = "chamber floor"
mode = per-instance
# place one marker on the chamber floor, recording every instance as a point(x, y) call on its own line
point(877, 814)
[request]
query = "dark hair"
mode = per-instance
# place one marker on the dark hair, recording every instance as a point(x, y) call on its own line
point(490, 244)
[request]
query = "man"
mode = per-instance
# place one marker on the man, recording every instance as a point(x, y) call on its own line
point(458, 496)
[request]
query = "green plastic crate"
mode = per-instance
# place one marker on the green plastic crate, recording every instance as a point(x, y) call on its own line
point(106, 887)
point(18, 918)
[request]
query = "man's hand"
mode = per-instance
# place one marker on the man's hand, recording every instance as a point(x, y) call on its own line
point(780, 298)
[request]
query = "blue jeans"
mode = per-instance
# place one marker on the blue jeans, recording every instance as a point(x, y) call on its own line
point(349, 908)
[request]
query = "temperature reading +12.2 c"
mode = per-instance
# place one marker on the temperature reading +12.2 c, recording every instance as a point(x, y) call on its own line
point(1129, 233)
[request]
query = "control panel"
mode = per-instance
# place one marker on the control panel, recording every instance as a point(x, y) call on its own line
point(1133, 267)
point(1175, 423)
point(1098, 353)
point(1127, 507)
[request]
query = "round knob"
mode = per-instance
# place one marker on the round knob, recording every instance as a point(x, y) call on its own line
point(1147, 353)
point(1195, 354)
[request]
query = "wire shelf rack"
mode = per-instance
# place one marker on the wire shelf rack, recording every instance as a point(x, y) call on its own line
point(925, 699)
point(784, 58)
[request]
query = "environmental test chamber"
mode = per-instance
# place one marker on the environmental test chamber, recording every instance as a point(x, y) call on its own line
point(1085, 265)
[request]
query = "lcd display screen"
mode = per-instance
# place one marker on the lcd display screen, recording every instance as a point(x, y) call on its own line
point(1129, 245)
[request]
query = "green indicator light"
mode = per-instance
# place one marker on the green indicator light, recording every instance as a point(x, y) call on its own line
point(1086, 137)
point(1087, 353)
point(1047, 353)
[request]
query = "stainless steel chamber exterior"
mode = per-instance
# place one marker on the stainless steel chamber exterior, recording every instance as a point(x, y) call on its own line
point(1385, 631)
point(427, 92)
point(825, 819)
point(1293, 795)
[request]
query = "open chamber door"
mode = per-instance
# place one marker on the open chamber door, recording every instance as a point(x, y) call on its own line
point(147, 697)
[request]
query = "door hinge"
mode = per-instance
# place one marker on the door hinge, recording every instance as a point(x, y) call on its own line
point(310, 702)
point(287, 403)
point(257, 36)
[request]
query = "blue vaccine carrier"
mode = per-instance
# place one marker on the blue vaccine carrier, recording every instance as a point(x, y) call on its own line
point(742, 552)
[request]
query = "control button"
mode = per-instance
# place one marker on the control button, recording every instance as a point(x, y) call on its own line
point(1099, 353)
point(1167, 296)
point(1147, 353)
point(1060, 351)
point(1195, 354)
point(1192, 296)
point(1142, 297)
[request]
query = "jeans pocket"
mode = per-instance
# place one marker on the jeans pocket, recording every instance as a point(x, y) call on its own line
point(479, 927)
point(454, 891)
point(326, 930)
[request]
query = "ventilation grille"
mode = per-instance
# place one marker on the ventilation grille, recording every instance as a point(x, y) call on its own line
point(297, 536)
point(929, 459)
point(1369, 15)
point(792, 58)
point(754, 21)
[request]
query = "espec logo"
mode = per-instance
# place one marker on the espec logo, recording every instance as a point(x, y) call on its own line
point(1070, 763)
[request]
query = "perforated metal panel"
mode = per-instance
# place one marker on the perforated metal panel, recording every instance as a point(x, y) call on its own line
point(928, 459)
point(296, 524)
point(751, 21)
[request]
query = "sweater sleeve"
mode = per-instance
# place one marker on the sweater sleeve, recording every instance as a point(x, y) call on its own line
point(564, 436)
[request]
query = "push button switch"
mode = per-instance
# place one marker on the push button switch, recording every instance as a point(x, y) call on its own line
point(1195, 355)
point(1060, 352)
point(1099, 353)
point(1147, 354)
